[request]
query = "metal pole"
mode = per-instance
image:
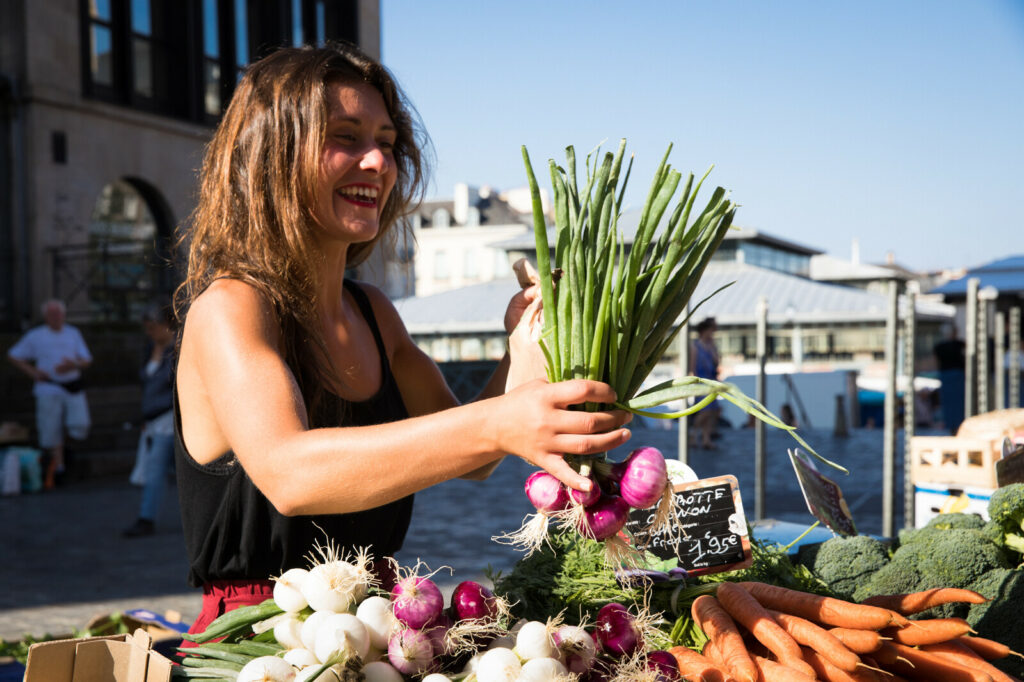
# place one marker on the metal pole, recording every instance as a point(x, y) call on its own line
point(909, 400)
point(684, 370)
point(759, 431)
point(1014, 357)
point(999, 363)
point(971, 348)
point(984, 404)
point(889, 445)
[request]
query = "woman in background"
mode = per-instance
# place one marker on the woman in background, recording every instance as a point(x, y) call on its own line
point(156, 449)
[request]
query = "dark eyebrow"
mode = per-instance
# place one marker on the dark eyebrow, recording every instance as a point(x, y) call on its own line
point(358, 121)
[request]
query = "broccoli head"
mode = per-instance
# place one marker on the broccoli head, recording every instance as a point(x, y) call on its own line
point(936, 558)
point(1006, 511)
point(952, 521)
point(846, 562)
point(999, 619)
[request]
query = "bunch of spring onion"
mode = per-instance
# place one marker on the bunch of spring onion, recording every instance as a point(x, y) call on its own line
point(331, 623)
point(615, 648)
point(609, 314)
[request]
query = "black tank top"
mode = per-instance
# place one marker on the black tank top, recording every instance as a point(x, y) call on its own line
point(232, 532)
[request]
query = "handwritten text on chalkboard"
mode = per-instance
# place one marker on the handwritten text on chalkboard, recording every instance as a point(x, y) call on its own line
point(710, 531)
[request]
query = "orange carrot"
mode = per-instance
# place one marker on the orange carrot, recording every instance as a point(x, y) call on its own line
point(915, 602)
point(697, 667)
point(824, 669)
point(965, 656)
point(827, 610)
point(858, 641)
point(746, 611)
point(721, 629)
point(929, 631)
point(919, 664)
point(817, 638)
point(989, 649)
point(771, 671)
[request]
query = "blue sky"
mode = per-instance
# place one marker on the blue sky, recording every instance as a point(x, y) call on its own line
point(898, 123)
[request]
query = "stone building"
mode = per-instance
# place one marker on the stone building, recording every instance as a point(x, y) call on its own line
point(105, 108)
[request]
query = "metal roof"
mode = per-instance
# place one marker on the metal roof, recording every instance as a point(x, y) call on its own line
point(480, 308)
point(630, 221)
point(1005, 274)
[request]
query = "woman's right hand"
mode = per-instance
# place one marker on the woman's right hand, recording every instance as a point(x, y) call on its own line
point(538, 425)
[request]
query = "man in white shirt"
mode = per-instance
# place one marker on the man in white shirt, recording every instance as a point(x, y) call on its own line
point(53, 355)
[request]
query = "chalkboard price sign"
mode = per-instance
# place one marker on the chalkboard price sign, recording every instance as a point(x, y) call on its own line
point(710, 532)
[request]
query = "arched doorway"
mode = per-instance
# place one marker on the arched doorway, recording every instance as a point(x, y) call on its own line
point(126, 260)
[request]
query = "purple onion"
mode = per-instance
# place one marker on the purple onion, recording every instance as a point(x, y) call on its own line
point(411, 652)
point(616, 631)
point(644, 477)
point(664, 664)
point(416, 601)
point(436, 631)
point(546, 492)
point(586, 498)
point(473, 600)
point(604, 518)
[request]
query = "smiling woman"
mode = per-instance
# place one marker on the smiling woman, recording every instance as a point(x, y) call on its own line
point(304, 408)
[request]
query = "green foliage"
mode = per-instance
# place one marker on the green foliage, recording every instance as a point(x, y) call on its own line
point(1000, 619)
point(1006, 511)
point(771, 564)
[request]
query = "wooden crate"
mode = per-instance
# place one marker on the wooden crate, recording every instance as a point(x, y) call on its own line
point(955, 460)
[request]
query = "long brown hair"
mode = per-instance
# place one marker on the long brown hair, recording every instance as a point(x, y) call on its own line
point(257, 190)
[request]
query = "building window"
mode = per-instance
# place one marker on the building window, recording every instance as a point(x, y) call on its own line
point(183, 58)
point(441, 269)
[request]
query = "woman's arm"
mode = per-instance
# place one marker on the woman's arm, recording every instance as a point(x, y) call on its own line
point(237, 393)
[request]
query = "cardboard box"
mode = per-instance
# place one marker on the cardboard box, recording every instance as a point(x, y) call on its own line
point(932, 499)
point(117, 658)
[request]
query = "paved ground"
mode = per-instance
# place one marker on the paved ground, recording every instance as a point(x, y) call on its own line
point(63, 560)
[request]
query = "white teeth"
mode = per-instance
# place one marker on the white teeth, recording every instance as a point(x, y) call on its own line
point(361, 192)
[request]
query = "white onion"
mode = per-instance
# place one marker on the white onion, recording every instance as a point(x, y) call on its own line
point(534, 641)
point(331, 586)
point(288, 632)
point(329, 675)
point(473, 662)
point(379, 619)
point(341, 633)
point(541, 670)
point(576, 648)
point(374, 654)
point(288, 590)
point(379, 671)
point(310, 627)
point(267, 669)
point(498, 665)
point(436, 677)
point(301, 658)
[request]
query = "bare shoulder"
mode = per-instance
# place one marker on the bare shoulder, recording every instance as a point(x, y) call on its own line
point(230, 306)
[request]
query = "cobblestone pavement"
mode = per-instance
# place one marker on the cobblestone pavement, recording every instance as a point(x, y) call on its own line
point(63, 560)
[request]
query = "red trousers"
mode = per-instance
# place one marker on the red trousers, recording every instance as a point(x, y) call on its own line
point(221, 596)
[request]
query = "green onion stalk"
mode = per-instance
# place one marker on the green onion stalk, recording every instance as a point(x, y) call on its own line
point(611, 312)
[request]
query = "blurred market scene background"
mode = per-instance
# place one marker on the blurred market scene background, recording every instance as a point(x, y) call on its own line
point(876, 152)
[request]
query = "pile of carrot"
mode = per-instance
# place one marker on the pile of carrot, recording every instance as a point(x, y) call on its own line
point(765, 633)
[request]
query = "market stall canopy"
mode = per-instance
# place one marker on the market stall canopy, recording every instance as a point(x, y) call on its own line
point(1005, 275)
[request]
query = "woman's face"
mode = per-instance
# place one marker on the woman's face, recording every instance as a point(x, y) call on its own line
point(357, 163)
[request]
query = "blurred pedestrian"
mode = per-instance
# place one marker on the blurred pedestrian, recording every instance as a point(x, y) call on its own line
point(53, 355)
point(704, 361)
point(156, 447)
